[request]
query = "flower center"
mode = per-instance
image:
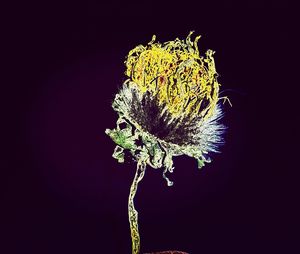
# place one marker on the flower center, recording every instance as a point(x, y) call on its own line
point(174, 72)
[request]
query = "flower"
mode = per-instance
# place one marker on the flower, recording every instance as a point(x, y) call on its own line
point(169, 104)
point(167, 107)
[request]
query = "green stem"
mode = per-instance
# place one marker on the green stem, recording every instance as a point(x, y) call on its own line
point(132, 212)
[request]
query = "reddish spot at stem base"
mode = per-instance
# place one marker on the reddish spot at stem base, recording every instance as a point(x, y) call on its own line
point(168, 252)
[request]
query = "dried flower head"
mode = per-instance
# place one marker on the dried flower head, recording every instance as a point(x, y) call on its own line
point(169, 104)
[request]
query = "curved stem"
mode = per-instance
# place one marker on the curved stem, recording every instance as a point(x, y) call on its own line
point(132, 212)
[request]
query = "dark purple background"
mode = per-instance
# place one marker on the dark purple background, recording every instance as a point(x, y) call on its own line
point(64, 193)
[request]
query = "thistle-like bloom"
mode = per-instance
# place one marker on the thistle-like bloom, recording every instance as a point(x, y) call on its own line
point(167, 107)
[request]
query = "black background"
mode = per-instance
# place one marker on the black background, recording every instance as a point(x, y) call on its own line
point(64, 193)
